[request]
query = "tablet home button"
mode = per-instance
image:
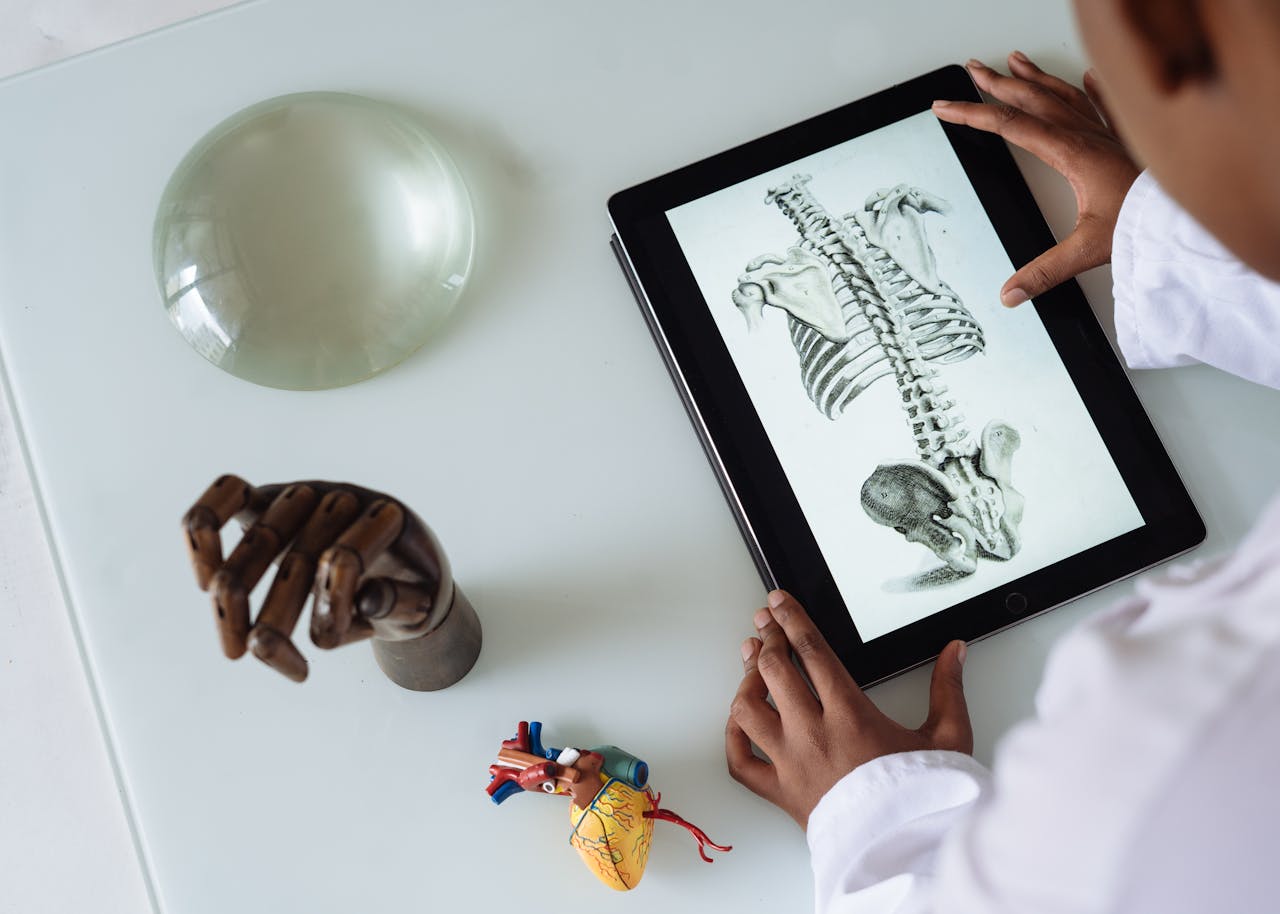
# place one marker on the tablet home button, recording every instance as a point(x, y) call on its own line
point(1015, 603)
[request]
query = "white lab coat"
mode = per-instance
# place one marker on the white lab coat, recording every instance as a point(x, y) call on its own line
point(1148, 781)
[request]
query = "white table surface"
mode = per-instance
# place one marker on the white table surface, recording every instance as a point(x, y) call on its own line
point(65, 844)
point(572, 489)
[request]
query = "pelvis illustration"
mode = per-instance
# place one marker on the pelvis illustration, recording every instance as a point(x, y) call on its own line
point(864, 302)
point(612, 808)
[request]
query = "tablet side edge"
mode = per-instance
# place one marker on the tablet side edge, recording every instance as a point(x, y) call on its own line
point(695, 415)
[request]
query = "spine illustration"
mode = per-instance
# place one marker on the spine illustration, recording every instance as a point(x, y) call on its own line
point(864, 301)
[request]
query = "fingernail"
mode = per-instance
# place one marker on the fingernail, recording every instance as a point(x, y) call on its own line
point(1018, 55)
point(940, 103)
point(961, 653)
point(747, 647)
point(1013, 297)
point(763, 618)
point(975, 63)
point(777, 598)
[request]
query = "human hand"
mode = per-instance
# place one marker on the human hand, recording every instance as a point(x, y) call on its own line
point(375, 568)
point(814, 736)
point(1069, 130)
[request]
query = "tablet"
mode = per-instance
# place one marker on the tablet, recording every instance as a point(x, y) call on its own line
point(915, 462)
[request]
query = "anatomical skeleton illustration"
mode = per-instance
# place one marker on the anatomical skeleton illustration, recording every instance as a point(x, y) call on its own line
point(864, 302)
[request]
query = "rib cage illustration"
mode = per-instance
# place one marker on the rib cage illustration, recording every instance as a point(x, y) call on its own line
point(864, 302)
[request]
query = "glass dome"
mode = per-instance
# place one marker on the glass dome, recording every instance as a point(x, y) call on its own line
point(313, 240)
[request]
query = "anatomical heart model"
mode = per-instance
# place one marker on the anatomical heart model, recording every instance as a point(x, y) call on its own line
point(864, 302)
point(612, 808)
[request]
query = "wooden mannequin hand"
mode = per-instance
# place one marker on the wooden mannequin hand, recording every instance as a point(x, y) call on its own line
point(1069, 130)
point(814, 736)
point(375, 568)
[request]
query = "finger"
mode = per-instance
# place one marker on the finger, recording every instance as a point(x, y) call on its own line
point(824, 669)
point(745, 767)
point(1048, 142)
point(395, 608)
point(270, 638)
point(1030, 97)
point(1094, 89)
point(790, 692)
point(344, 563)
point(278, 651)
point(251, 558)
point(357, 630)
point(1070, 257)
point(750, 709)
point(418, 548)
point(220, 502)
point(1073, 97)
point(948, 725)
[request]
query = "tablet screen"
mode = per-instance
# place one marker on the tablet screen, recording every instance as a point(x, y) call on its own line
point(933, 438)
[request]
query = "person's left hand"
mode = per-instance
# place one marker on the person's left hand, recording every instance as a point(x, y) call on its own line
point(814, 736)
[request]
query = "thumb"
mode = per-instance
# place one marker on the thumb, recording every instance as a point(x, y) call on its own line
point(947, 726)
point(1093, 89)
point(1070, 257)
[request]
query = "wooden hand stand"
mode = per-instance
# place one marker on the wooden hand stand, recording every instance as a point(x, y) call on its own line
point(375, 569)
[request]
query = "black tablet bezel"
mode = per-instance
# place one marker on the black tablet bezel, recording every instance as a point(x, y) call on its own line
point(755, 484)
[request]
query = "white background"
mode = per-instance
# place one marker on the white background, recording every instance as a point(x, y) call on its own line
point(1075, 496)
point(65, 845)
point(545, 129)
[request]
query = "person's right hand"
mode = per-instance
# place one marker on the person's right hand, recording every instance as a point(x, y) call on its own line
point(1071, 132)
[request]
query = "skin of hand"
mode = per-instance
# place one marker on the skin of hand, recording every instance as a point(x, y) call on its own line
point(816, 732)
point(1070, 130)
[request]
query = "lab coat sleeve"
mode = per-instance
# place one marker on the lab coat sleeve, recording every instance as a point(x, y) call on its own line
point(1126, 698)
point(874, 838)
point(1182, 298)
